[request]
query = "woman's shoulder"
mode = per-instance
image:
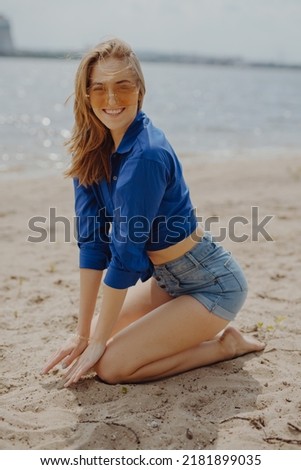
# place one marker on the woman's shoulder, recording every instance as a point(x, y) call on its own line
point(153, 145)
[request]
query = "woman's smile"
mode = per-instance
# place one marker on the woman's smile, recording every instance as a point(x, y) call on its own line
point(113, 111)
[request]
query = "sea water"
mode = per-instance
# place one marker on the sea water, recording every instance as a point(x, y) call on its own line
point(213, 112)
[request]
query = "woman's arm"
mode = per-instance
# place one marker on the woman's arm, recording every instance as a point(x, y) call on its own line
point(112, 303)
point(74, 346)
point(89, 286)
point(93, 241)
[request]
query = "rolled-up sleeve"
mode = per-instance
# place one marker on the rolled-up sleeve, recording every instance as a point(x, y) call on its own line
point(92, 227)
point(139, 192)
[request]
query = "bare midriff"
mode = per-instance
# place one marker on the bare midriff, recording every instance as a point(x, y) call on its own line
point(176, 251)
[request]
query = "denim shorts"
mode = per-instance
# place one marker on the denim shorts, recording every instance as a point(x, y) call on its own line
point(210, 274)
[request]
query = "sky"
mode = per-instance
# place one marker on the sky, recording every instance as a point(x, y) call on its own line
point(263, 30)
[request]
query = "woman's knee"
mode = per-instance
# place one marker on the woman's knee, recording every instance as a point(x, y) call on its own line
point(109, 369)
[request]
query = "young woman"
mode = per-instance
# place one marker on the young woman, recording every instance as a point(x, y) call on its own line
point(169, 290)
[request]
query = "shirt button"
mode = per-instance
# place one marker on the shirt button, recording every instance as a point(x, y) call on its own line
point(114, 178)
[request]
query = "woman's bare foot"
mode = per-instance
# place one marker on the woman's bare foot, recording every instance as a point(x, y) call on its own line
point(235, 344)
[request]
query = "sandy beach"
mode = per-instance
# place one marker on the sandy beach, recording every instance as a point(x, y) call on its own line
point(253, 402)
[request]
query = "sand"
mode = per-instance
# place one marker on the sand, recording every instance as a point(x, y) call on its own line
point(253, 402)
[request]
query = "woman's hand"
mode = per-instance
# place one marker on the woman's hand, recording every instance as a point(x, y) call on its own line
point(87, 360)
point(73, 348)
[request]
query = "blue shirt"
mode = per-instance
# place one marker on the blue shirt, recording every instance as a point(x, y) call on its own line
point(145, 207)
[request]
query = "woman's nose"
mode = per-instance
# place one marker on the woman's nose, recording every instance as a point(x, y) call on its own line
point(111, 97)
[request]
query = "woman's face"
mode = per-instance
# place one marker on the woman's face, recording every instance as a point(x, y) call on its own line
point(113, 95)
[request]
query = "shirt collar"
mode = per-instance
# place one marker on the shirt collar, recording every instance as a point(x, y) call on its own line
point(131, 133)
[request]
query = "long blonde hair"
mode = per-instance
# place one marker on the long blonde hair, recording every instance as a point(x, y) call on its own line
point(91, 143)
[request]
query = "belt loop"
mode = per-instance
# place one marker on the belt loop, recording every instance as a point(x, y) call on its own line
point(192, 258)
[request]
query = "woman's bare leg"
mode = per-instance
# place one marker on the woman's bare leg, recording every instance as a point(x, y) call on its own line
point(175, 337)
point(229, 345)
point(140, 300)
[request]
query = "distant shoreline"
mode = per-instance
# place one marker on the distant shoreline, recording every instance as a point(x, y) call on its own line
point(159, 58)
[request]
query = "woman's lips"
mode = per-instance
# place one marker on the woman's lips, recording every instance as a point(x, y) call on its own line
point(113, 112)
